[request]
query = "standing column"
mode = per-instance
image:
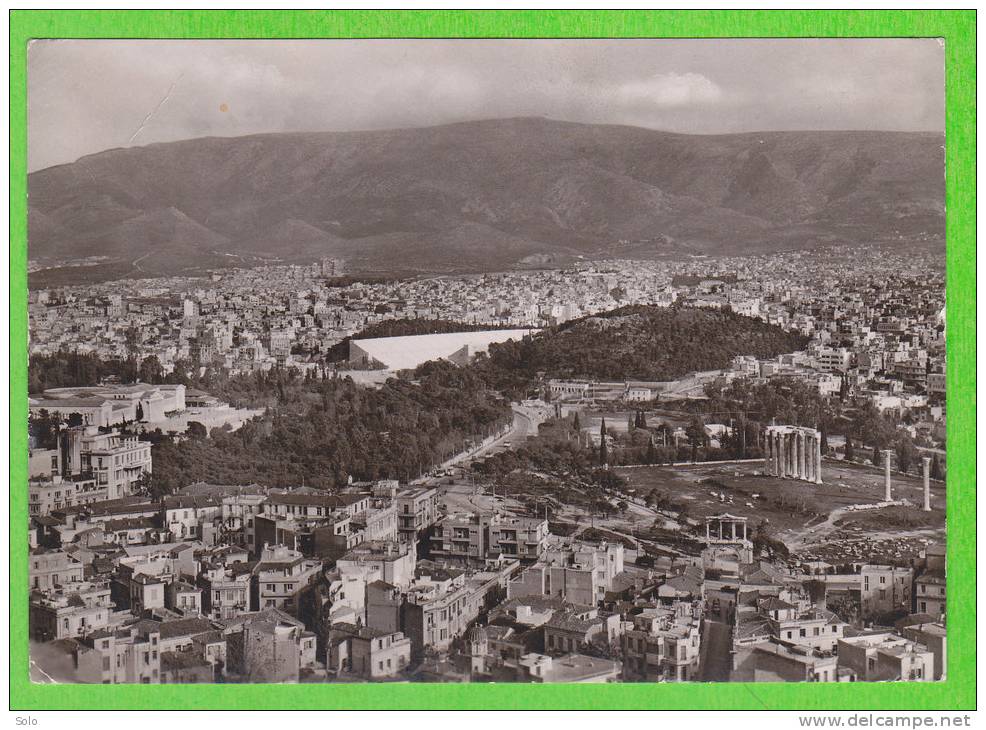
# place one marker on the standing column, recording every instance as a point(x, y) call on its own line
point(781, 456)
point(768, 459)
point(800, 440)
point(818, 458)
point(782, 443)
point(788, 455)
point(886, 473)
point(795, 466)
point(809, 457)
point(792, 453)
point(926, 472)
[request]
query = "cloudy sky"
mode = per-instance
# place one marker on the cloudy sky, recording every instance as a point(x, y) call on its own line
point(89, 95)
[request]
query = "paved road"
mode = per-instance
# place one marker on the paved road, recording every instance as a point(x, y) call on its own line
point(717, 643)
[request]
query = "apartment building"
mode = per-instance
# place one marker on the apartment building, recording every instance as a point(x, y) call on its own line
point(281, 575)
point(188, 516)
point(441, 603)
point(885, 589)
point(417, 510)
point(49, 494)
point(225, 589)
point(472, 538)
point(366, 652)
point(116, 461)
point(579, 573)
point(887, 657)
point(70, 611)
point(51, 569)
point(125, 655)
point(661, 644)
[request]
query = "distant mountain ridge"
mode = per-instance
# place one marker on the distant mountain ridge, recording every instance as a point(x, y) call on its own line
point(480, 196)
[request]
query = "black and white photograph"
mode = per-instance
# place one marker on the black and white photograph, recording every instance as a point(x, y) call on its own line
point(486, 360)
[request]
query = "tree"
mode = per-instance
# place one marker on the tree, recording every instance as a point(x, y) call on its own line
point(603, 453)
point(695, 433)
point(74, 419)
point(150, 370)
point(651, 456)
point(631, 423)
point(936, 470)
point(876, 456)
point(906, 453)
point(139, 412)
point(576, 423)
point(44, 427)
point(197, 431)
point(850, 453)
point(824, 439)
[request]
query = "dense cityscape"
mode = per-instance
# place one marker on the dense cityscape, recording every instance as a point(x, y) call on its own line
point(299, 474)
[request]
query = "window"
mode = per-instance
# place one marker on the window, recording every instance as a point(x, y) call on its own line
point(804, 632)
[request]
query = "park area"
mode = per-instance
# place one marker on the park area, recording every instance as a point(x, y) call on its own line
point(815, 521)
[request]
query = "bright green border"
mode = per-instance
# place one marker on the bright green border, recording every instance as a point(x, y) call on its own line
point(958, 30)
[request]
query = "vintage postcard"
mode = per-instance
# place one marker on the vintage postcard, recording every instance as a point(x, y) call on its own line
point(487, 360)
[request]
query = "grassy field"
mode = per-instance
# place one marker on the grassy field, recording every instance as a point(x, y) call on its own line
point(799, 513)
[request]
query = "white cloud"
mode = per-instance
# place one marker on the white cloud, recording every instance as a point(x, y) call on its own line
point(670, 90)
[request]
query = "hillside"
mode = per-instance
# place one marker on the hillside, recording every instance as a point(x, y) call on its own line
point(638, 343)
point(481, 196)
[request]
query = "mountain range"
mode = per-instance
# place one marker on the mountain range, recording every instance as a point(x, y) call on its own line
point(477, 196)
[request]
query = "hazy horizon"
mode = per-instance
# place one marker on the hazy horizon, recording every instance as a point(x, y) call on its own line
point(89, 96)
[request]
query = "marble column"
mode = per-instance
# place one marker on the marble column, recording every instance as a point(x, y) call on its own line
point(784, 455)
point(888, 496)
point(926, 473)
point(809, 457)
point(792, 449)
point(796, 453)
point(768, 458)
point(818, 458)
point(778, 455)
point(802, 471)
